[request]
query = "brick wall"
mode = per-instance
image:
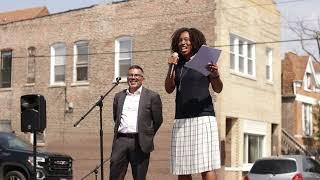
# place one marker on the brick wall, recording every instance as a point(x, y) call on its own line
point(150, 23)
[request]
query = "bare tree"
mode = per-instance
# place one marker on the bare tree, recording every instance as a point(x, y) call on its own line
point(309, 35)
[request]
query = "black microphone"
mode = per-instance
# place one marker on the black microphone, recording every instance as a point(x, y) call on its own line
point(118, 79)
point(175, 55)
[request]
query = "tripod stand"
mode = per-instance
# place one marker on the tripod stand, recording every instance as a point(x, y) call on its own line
point(100, 104)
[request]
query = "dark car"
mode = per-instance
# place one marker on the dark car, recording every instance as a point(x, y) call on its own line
point(16, 161)
point(285, 167)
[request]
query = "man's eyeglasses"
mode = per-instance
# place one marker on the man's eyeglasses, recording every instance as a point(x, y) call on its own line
point(134, 75)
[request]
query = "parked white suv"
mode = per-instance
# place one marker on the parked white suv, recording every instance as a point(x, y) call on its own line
point(285, 167)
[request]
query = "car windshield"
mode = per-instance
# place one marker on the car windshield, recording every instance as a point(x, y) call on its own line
point(12, 141)
point(274, 166)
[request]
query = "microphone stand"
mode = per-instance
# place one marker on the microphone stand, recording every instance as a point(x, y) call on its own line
point(100, 104)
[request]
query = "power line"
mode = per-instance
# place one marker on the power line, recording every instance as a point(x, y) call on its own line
point(163, 50)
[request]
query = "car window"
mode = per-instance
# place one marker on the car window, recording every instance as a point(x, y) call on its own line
point(310, 165)
point(274, 166)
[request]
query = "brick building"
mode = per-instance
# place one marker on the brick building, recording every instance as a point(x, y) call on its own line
point(75, 59)
point(300, 98)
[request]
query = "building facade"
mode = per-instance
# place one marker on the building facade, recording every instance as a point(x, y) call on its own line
point(73, 57)
point(300, 99)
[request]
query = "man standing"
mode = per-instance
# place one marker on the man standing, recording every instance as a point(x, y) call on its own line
point(137, 113)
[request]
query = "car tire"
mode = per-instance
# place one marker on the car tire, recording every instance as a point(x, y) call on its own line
point(15, 175)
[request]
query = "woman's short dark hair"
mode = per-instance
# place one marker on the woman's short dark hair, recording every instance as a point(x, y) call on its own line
point(197, 39)
point(136, 67)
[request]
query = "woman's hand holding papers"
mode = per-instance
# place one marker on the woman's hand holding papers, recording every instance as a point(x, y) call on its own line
point(214, 78)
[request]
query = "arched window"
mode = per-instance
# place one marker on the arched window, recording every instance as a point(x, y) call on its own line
point(123, 56)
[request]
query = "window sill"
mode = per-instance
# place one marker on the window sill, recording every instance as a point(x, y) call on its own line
point(307, 137)
point(5, 89)
point(57, 85)
point(243, 75)
point(269, 82)
point(80, 83)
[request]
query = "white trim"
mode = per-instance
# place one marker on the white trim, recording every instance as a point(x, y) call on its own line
point(306, 99)
point(309, 119)
point(53, 61)
point(255, 127)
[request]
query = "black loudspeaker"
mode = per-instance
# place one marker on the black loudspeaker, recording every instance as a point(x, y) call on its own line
point(33, 113)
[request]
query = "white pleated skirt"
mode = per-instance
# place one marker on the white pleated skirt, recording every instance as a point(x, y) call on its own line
point(194, 145)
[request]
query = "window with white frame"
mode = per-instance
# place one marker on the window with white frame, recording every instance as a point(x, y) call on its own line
point(269, 64)
point(81, 61)
point(123, 56)
point(58, 60)
point(253, 147)
point(307, 119)
point(308, 81)
point(5, 69)
point(242, 56)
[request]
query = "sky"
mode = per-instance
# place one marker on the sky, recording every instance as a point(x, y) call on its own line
point(291, 11)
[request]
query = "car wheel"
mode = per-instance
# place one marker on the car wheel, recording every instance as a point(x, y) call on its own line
point(15, 175)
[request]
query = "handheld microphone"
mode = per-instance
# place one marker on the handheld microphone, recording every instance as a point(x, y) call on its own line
point(174, 55)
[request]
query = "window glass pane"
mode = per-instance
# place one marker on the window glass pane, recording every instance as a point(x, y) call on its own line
point(307, 119)
point(60, 53)
point(253, 153)
point(232, 61)
point(241, 64)
point(268, 72)
point(232, 44)
point(60, 60)
point(249, 50)
point(31, 70)
point(125, 49)
point(82, 73)
point(5, 69)
point(82, 53)
point(59, 73)
point(253, 147)
point(241, 47)
point(124, 66)
point(250, 67)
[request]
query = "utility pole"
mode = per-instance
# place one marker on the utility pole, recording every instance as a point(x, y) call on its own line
point(318, 41)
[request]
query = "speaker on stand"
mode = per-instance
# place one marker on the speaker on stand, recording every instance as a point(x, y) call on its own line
point(33, 119)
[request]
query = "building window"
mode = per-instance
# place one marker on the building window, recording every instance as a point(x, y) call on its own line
point(123, 56)
point(81, 60)
point(308, 81)
point(31, 65)
point(242, 56)
point(58, 58)
point(269, 64)
point(5, 125)
point(5, 69)
point(253, 147)
point(307, 119)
